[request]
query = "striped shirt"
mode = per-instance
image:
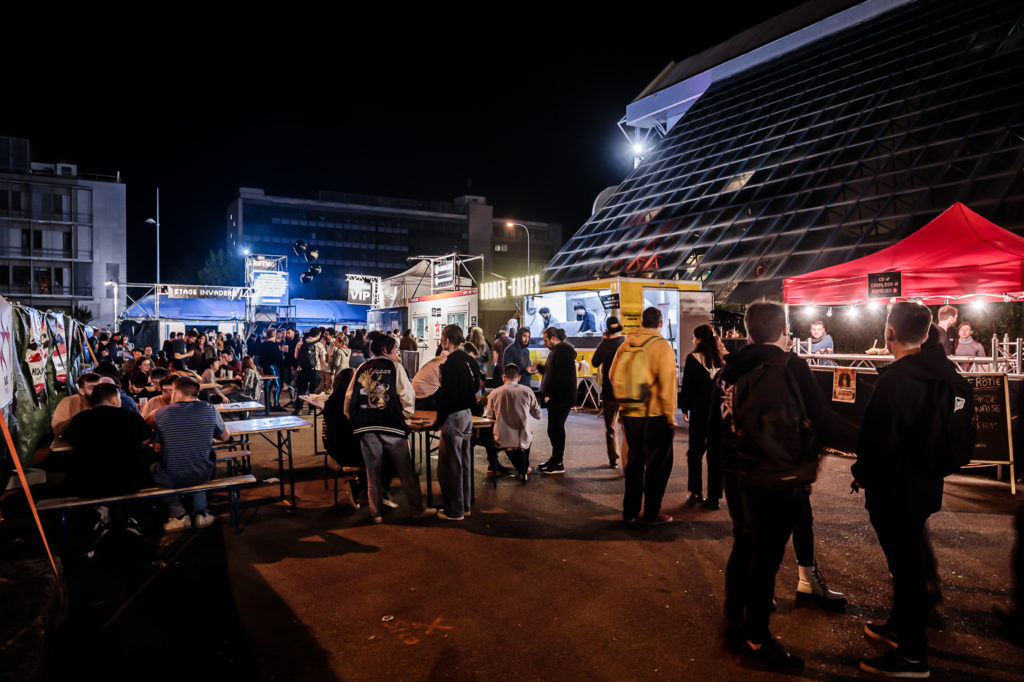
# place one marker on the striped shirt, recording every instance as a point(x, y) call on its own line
point(186, 431)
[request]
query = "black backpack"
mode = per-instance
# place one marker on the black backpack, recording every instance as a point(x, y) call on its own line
point(776, 446)
point(307, 355)
point(948, 431)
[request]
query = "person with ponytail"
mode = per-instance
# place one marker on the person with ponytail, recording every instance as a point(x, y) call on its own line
point(695, 402)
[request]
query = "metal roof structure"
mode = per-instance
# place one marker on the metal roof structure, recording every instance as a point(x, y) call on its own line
point(827, 151)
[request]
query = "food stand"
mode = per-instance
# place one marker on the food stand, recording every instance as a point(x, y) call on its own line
point(957, 257)
point(431, 313)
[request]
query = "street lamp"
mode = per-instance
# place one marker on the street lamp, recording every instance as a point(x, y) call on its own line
point(157, 223)
point(511, 225)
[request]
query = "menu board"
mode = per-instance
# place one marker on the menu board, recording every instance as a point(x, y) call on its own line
point(885, 284)
point(991, 418)
point(270, 287)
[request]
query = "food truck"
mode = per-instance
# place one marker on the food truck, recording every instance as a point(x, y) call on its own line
point(582, 310)
point(431, 313)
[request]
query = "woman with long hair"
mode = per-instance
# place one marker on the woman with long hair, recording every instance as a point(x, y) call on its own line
point(252, 385)
point(695, 398)
point(483, 349)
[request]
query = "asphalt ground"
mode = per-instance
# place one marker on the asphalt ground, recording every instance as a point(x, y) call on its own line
point(543, 581)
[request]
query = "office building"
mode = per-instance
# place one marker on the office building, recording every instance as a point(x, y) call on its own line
point(822, 135)
point(371, 235)
point(62, 234)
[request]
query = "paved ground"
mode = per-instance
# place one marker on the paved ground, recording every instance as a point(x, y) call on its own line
point(543, 582)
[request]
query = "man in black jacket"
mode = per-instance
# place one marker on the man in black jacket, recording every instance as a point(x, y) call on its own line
point(558, 394)
point(898, 498)
point(603, 356)
point(518, 353)
point(455, 398)
point(763, 519)
point(271, 361)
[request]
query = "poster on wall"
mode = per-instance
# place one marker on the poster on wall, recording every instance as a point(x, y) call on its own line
point(6, 353)
point(36, 353)
point(60, 347)
point(844, 385)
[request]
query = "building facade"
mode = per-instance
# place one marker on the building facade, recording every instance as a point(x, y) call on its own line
point(370, 235)
point(62, 235)
point(823, 135)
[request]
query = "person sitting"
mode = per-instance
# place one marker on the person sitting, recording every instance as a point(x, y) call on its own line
point(109, 456)
point(209, 375)
point(408, 342)
point(426, 381)
point(511, 405)
point(109, 370)
point(252, 386)
point(229, 361)
point(153, 405)
point(137, 381)
point(68, 407)
point(967, 346)
point(183, 434)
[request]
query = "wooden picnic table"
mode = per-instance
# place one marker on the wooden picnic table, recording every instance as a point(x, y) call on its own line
point(317, 408)
point(283, 427)
point(246, 406)
point(420, 425)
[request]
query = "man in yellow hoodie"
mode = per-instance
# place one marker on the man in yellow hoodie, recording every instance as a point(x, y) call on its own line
point(649, 420)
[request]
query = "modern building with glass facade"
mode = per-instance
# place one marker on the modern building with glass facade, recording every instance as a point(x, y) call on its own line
point(62, 234)
point(370, 235)
point(825, 134)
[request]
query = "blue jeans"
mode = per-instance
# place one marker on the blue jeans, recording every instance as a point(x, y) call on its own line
point(174, 504)
point(455, 463)
point(272, 369)
point(375, 446)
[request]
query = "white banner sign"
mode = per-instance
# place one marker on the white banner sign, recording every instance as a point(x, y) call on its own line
point(6, 353)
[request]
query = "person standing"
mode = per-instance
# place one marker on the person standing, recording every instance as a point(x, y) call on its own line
point(967, 346)
point(308, 358)
point(501, 342)
point(377, 402)
point(585, 318)
point(775, 408)
point(898, 453)
point(602, 359)
point(644, 375)
point(557, 394)
point(518, 354)
point(408, 342)
point(948, 316)
point(455, 399)
point(272, 363)
point(483, 350)
point(695, 402)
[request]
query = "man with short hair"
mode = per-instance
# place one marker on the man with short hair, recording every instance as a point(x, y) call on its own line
point(272, 362)
point(896, 434)
point(546, 318)
point(309, 360)
point(558, 395)
point(602, 359)
point(585, 318)
point(153, 405)
point(110, 371)
point(967, 346)
point(765, 504)
point(948, 316)
point(183, 434)
point(455, 398)
point(501, 342)
point(68, 407)
point(650, 421)
point(511, 405)
point(821, 341)
point(228, 361)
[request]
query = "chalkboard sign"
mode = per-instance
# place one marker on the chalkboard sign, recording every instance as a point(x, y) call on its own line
point(610, 301)
point(885, 284)
point(991, 418)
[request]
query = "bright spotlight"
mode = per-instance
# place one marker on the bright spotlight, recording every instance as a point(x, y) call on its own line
point(638, 148)
point(852, 312)
point(245, 252)
point(873, 306)
point(977, 305)
point(809, 311)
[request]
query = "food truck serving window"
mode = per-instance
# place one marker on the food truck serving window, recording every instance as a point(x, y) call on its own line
point(667, 301)
point(579, 313)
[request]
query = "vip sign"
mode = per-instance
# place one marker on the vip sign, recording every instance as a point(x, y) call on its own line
point(360, 292)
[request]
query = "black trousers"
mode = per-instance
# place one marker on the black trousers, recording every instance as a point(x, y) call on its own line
point(901, 535)
point(306, 381)
point(737, 570)
point(772, 515)
point(803, 532)
point(557, 414)
point(702, 443)
point(1018, 565)
point(610, 409)
point(648, 465)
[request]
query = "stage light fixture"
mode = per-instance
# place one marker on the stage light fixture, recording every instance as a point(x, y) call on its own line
point(299, 247)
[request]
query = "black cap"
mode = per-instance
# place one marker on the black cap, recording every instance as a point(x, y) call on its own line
point(613, 325)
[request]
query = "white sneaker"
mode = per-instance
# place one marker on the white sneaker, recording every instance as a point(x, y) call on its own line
point(429, 511)
point(203, 520)
point(180, 523)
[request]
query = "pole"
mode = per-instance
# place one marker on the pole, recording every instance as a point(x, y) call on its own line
point(156, 289)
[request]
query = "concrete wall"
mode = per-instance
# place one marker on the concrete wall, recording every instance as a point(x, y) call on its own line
point(109, 236)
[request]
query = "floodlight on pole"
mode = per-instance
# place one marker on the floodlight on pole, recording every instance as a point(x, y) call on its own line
point(509, 224)
point(156, 222)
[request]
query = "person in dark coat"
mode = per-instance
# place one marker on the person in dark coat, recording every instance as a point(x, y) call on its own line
point(271, 361)
point(695, 402)
point(557, 394)
point(898, 498)
point(602, 358)
point(518, 354)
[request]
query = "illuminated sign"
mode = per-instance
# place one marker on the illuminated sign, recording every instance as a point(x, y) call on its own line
point(516, 287)
point(444, 274)
point(186, 291)
point(360, 292)
point(264, 262)
point(270, 287)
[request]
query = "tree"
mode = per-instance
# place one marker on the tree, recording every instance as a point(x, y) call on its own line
point(82, 314)
point(220, 269)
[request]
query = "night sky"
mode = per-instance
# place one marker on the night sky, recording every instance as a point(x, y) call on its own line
point(429, 103)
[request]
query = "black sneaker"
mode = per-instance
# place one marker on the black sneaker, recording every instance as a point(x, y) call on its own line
point(883, 633)
point(551, 469)
point(711, 504)
point(132, 526)
point(894, 664)
point(769, 656)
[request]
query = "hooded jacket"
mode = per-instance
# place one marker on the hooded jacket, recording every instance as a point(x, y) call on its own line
point(559, 384)
point(518, 354)
point(662, 373)
point(891, 422)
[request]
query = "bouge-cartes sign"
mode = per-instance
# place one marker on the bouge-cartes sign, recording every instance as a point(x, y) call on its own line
point(885, 284)
point(192, 291)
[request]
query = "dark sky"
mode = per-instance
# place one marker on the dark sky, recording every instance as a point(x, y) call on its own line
point(518, 104)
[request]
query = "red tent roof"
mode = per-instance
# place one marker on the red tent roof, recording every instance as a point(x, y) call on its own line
point(957, 254)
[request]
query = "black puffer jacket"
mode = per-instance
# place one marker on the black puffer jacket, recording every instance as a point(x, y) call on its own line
point(559, 384)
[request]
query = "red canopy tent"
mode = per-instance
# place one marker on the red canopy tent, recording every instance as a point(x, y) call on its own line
point(957, 255)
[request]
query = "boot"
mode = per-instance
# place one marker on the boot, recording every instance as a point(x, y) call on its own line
point(812, 588)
